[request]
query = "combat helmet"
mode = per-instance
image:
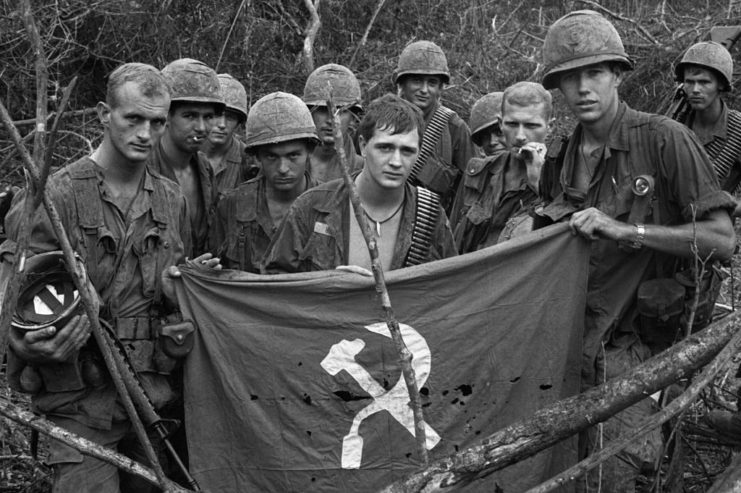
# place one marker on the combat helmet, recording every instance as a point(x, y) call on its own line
point(48, 295)
point(578, 39)
point(234, 94)
point(279, 117)
point(486, 111)
point(710, 55)
point(336, 81)
point(422, 57)
point(193, 81)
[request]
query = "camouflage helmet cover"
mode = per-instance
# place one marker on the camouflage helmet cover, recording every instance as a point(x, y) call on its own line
point(332, 80)
point(711, 55)
point(422, 57)
point(578, 39)
point(193, 81)
point(234, 94)
point(279, 117)
point(486, 111)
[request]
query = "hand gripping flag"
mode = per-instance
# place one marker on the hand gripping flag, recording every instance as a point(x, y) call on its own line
point(294, 382)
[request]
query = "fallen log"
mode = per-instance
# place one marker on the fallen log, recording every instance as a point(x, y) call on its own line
point(567, 417)
point(27, 418)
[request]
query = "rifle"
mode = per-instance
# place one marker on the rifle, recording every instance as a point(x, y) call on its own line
point(142, 403)
point(679, 108)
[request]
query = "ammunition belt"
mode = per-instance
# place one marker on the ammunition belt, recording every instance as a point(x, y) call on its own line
point(425, 219)
point(725, 153)
point(433, 132)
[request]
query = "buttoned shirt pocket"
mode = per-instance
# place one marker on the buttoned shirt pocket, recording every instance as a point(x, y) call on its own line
point(320, 253)
point(101, 247)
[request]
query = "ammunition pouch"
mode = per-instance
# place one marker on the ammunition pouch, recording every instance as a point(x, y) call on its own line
point(176, 339)
point(709, 287)
point(660, 310)
point(665, 305)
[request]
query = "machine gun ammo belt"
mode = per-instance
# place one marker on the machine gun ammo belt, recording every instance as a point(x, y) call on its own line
point(724, 154)
point(425, 219)
point(433, 132)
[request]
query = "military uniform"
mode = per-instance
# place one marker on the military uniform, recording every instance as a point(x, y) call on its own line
point(686, 188)
point(492, 210)
point(243, 227)
point(124, 252)
point(160, 164)
point(232, 170)
point(315, 233)
point(725, 132)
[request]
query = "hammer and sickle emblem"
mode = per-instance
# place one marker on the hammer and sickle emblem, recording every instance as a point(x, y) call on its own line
point(395, 401)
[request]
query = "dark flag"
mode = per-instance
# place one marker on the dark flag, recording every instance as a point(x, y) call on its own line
point(294, 382)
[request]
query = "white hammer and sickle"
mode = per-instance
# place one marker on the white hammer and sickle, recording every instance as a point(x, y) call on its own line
point(395, 401)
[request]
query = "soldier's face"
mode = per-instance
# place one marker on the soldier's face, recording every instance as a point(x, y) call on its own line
point(135, 122)
point(389, 157)
point(421, 90)
point(284, 164)
point(523, 124)
point(190, 124)
point(491, 139)
point(223, 128)
point(324, 123)
point(701, 86)
point(591, 92)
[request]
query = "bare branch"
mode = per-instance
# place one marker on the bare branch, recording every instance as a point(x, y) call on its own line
point(312, 29)
point(367, 31)
point(229, 34)
point(617, 16)
point(83, 445)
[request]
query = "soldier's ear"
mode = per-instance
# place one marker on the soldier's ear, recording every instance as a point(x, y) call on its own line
point(104, 113)
point(361, 144)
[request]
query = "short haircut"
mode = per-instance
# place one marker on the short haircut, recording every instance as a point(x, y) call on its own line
point(151, 82)
point(391, 112)
point(528, 94)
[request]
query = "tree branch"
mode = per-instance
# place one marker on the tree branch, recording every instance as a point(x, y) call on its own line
point(676, 406)
point(312, 29)
point(567, 417)
point(642, 29)
point(83, 445)
point(405, 356)
point(364, 39)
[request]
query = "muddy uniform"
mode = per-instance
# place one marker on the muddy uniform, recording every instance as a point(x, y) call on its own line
point(727, 127)
point(233, 169)
point(639, 144)
point(243, 227)
point(124, 253)
point(160, 164)
point(315, 233)
point(453, 150)
point(491, 210)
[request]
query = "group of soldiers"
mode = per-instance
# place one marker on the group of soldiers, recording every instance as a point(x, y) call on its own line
point(173, 179)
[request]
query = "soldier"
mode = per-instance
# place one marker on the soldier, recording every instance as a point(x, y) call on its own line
point(640, 188)
point(281, 136)
point(196, 103)
point(222, 149)
point(499, 191)
point(127, 224)
point(321, 232)
point(340, 84)
point(446, 148)
point(705, 72)
point(486, 123)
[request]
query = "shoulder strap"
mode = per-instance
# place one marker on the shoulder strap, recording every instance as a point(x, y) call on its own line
point(432, 134)
point(426, 217)
point(85, 190)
